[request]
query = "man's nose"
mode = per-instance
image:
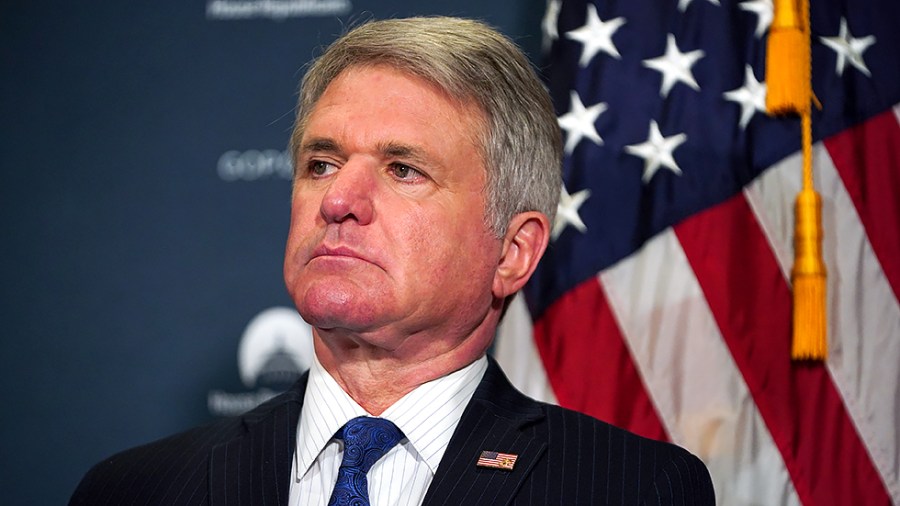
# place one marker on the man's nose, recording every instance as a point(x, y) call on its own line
point(349, 194)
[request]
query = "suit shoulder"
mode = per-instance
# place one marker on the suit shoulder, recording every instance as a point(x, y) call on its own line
point(562, 422)
point(151, 473)
point(644, 468)
point(133, 476)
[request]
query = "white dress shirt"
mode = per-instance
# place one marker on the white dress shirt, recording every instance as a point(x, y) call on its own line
point(427, 416)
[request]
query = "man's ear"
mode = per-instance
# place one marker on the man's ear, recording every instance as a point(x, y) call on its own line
point(523, 245)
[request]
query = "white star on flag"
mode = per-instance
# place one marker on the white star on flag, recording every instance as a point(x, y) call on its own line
point(657, 151)
point(551, 19)
point(764, 11)
point(751, 96)
point(567, 211)
point(596, 35)
point(579, 122)
point(683, 4)
point(849, 48)
point(675, 66)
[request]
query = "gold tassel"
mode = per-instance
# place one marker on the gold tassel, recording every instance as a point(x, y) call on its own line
point(808, 279)
point(788, 59)
point(789, 90)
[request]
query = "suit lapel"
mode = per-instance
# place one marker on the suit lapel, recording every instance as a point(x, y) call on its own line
point(500, 419)
point(255, 467)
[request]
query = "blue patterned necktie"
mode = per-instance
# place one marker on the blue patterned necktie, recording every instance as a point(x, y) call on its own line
point(366, 440)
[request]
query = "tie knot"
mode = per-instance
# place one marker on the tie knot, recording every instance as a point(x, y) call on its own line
point(366, 440)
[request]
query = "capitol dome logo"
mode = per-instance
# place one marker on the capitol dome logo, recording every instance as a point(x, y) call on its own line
point(275, 349)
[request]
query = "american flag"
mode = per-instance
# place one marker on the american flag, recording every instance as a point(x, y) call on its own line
point(497, 460)
point(664, 302)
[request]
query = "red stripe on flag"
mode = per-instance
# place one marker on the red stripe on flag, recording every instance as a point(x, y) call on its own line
point(867, 157)
point(751, 303)
point(588, 364)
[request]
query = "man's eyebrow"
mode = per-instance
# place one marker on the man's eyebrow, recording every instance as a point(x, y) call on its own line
point(397, 150)
point(320, 144)
point(388, 149)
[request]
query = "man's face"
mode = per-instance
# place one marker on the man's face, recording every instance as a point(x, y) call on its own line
point(388, 234)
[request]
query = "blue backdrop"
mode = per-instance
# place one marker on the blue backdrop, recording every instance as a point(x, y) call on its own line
point(145, 203)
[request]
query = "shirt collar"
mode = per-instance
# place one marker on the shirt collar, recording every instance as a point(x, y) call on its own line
point(427, 415)
point(326, 408)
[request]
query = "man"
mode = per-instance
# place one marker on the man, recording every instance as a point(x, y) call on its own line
point(427, 168)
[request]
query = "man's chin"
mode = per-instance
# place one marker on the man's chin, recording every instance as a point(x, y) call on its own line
point(333, 309)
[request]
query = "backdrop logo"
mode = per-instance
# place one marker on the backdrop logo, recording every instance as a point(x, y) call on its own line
point(275, 349)
point(253, 164)
point(274, 9)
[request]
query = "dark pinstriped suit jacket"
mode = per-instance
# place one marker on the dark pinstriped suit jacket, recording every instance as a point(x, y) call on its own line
point(564, 458)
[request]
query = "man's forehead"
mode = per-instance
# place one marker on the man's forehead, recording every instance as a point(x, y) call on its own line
point(452, 93)
point(331, 116)
point(391, 91)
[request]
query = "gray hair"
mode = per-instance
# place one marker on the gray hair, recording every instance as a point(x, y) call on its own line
point(521, 144)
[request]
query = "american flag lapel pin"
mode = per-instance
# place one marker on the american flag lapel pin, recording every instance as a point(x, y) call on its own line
point(497, 460)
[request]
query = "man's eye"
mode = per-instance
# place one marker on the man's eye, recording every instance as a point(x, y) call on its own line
point(320, 168)
point(404, 171)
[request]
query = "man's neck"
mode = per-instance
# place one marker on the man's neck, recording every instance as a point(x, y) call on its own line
point(376, 379)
